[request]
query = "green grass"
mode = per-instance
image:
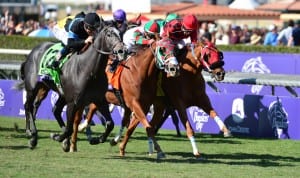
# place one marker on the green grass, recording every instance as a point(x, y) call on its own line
point(230, 157)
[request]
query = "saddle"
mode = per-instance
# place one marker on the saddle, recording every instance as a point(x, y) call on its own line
point(45, 69)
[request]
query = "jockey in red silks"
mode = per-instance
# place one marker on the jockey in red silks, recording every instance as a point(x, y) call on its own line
point(176, 30)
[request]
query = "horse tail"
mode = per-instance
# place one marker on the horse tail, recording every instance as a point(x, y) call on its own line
point(21, 84)
point(22, 70)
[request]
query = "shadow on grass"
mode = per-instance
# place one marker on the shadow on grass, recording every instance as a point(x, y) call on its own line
point(260, 160)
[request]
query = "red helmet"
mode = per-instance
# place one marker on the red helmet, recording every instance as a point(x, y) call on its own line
point(190, 22)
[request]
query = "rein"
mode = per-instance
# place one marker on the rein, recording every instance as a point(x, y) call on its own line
point(100, 50)
point(201, 60)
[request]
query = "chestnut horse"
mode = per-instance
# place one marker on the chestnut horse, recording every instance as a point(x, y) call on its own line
point(138, 83)
point(83, 80)
point(188, 90)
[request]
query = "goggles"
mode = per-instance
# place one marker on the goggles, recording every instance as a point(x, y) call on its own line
point(90, 27)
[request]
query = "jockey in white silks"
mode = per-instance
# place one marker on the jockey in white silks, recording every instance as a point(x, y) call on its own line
point(59, 31)
point(129, 38)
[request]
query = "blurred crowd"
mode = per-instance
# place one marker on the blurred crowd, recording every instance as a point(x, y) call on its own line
point(288, 35)
point(9, 25)
point(230, 34)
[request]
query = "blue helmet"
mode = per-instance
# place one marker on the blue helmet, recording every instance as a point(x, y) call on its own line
point(119, 15)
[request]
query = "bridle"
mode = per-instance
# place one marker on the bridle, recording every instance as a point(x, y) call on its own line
point(204, 61)
point(105, 30)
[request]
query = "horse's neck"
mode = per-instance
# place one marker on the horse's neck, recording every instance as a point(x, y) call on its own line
point(88, 63)
point(145, 63)
point(191, 65)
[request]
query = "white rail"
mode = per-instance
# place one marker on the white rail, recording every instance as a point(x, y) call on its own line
point(14, 51)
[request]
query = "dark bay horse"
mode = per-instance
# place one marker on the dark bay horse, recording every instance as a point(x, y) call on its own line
point(83, 81)
point(188, 90)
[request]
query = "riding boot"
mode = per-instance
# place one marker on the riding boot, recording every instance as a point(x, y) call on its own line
point(56, 62)
point(113, 66)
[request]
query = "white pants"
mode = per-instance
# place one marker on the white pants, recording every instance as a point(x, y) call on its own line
point(60, 33)
point(129, 39)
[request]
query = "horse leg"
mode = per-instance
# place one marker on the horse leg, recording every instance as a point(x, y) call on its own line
point(159, 108)
point(77, 119)
point(92, 109)
point(125, 122)
point(65, 136)
point(171, 111)
point(57, 110)
point(189, 131)
point(132, 125)
point(140, 116)
point(31, 106)
point(206, 106)
point(30, 123)
point(109, 125)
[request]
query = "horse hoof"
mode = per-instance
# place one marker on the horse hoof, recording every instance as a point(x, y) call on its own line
point(94, 141)
point(102, 139)
point(72, 150)
point(113, 142)
point(32, 143)
point(54, 136)
point(122, 153)
point(227, 134)
point(160, 155)
point(198, 156)
point(66, 145)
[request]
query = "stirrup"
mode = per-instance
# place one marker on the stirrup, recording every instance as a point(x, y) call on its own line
point(54, 65)
point(113, 66)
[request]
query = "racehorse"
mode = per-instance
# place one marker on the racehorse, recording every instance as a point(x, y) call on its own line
point(188, 90)
point(138, 81)
point(83, 81)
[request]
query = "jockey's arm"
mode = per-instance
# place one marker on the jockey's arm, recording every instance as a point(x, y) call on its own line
point(77, 45)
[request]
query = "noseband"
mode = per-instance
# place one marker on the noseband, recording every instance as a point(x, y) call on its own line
point(104, 32)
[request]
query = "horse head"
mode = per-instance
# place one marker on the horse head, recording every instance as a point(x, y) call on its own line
point(211, 60)
point(108, 41)
point(167, 62)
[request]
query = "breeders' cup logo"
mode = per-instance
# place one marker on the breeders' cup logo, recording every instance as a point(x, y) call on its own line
point(2, 100)
point(238, 114)
point(255, 65)
point(199, 117)
point(278, 118)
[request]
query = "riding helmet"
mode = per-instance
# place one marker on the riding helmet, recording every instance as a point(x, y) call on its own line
point(151, 27)
point(119, 15)
point(190, 22)
point(171, 16)
point(92, 20)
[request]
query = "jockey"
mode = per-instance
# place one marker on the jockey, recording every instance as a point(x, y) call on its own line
point(141, 35)
point(119, 21)
point(80, 32)
point(168, 18)
point(176, 30)
point(151, 32)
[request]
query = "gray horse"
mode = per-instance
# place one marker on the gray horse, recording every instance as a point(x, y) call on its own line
point(82, 81)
